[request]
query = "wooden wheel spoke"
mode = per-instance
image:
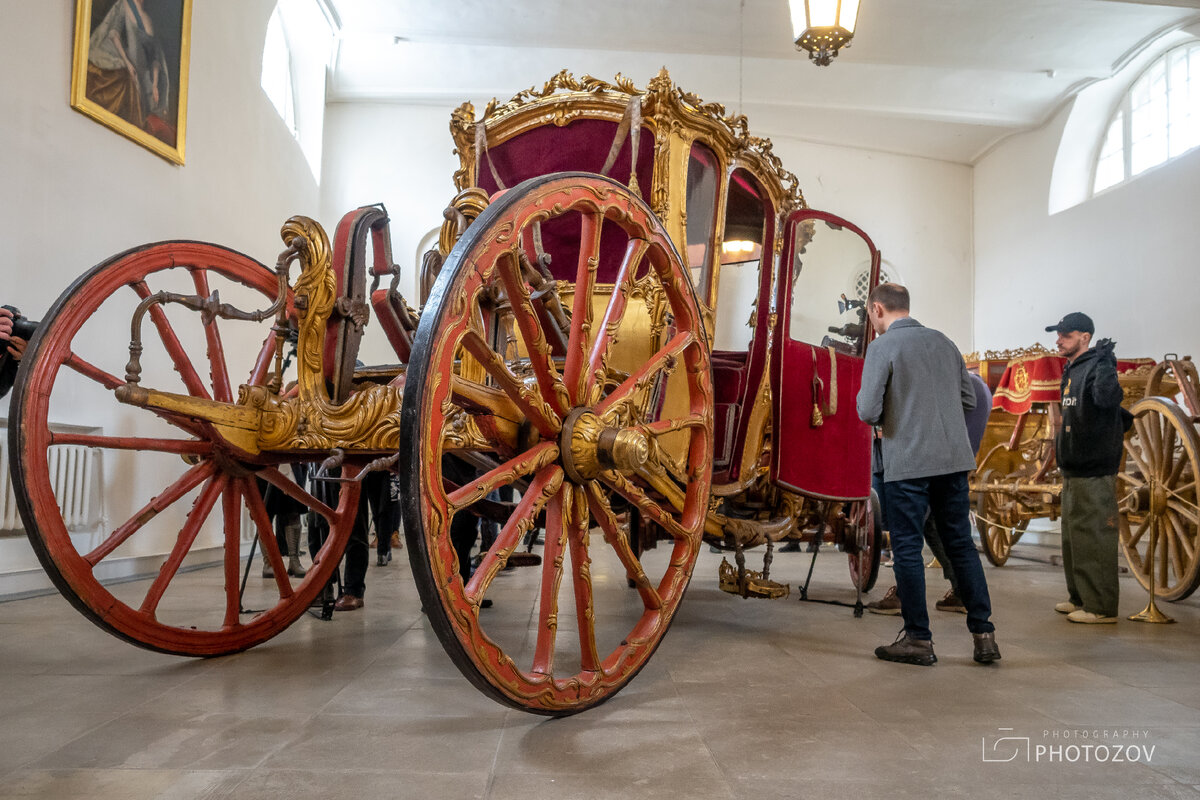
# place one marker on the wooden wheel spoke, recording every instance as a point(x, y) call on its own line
point(574, 372)
point(602, 510)
point(92, 372)
point(175, 349)
point(266, 534)
point(195, 447)
point(544, 486)
point(529, 462)
point(1138, 454)
point(614, 312)
point(263, 363)
point(639, 381)
point(581, 573)
point(652, 510)
point(664, 426)
point(218, 369)
point(535, 408)
point(1154, 433)
point(1136, 534)
point(1185, 509)
point(187, 537)
point(188, 481)
point(552, 573)
point(277, 479)
point(1173, 534)
point(534, 337)
point(232, 508)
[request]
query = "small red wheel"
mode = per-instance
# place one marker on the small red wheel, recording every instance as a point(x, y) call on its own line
point(157, 477)
point(624, 412)
point(866, 525)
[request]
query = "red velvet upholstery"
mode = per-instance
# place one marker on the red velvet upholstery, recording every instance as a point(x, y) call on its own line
point(831, 460)
point(729, 387)
point(581, 146)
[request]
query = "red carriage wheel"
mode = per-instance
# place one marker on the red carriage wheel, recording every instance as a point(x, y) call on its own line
point(619, 416)
point(156, 482)
point(866, 524)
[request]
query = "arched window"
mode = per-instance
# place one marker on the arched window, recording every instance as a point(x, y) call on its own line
point(277, 71)
point(1156, 121)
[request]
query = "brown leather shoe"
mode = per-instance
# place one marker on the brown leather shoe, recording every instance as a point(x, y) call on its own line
point(986, 650)
point(889, 604)
point(906, 650)
point(348, 602)
point(950, 602)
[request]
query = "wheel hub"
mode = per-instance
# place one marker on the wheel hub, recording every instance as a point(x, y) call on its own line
point(589, 447)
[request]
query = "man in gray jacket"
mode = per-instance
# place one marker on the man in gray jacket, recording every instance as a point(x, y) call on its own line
point(915, 387)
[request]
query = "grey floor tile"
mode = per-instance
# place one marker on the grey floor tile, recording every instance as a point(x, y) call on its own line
point(743, 699)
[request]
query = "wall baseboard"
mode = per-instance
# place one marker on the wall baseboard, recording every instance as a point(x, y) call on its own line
point(35, 582)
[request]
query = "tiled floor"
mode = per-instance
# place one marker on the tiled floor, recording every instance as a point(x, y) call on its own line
point(745, 699)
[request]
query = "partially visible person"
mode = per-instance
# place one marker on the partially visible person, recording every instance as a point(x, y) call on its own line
point(15, 331)
point(915, 386)
point(976, 419)
point(1088, 447)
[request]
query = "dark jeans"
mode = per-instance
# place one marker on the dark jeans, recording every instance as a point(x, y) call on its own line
point(946, 498)
point(932, 538)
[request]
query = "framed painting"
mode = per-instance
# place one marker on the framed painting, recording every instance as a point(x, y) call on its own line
point(130, 69)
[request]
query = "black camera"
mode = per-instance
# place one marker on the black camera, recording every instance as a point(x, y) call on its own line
point(23, 327)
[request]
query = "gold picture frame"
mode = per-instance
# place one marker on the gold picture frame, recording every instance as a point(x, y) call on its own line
point(130, 69)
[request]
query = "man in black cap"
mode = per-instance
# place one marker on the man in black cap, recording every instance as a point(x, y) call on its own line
point(1089, 449)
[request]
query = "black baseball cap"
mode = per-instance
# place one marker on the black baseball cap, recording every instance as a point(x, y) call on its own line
point(1075, 321)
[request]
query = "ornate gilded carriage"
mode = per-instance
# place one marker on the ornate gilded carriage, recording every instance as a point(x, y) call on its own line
point(1017, 480)
point(571, 371)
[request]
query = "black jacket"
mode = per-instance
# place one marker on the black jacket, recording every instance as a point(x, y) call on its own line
point(1092, 436)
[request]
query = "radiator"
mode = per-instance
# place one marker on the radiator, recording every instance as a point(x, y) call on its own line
point(73, 471)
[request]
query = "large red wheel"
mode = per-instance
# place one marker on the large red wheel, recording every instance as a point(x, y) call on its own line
point(156, 493)
point(624, 413)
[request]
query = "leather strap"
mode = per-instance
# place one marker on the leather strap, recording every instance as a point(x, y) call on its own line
point(631, 123)
point(481, 154)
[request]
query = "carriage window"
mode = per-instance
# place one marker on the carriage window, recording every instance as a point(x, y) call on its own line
point(826, 257)
point(741, 253)
point(701, 209)
point(745, 215)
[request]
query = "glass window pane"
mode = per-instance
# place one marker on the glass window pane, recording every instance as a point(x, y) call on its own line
point(821, 312)
point(701, 209)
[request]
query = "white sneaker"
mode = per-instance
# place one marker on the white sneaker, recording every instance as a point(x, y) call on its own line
point(1088, 617)
point(1066, 607)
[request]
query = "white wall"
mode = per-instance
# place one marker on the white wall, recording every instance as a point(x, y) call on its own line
point(76, 192)
point(1127, 257)
point(917, 211)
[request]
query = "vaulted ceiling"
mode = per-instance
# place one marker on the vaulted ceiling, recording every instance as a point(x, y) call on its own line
point(943, 79)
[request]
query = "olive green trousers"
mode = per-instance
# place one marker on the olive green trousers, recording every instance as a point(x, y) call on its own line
point(1089, 543)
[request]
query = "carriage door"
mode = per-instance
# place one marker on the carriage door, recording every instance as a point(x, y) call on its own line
point(820, 448)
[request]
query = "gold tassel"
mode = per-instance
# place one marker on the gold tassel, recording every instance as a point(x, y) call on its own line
point(818, 419)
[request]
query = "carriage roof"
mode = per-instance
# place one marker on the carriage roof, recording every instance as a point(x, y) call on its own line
point(570, 124)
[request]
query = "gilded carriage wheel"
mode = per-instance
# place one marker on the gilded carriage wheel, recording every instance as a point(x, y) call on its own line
point(1158, 493)
point(570, 431)
point(999, 523)
point(101, 526)
point(866, 520)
